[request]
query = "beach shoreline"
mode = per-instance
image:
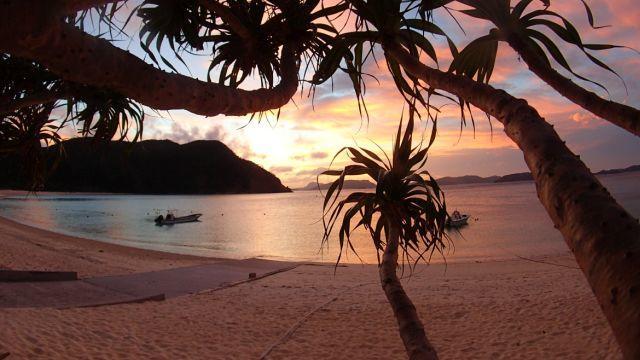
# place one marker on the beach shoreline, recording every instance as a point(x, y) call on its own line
point(30, 248)
point(176, 247)
point(483, 310)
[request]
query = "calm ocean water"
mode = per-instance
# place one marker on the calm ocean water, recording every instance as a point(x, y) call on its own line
point(508, 221)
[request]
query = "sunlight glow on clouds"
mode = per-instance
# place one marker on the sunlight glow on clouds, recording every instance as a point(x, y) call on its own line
point(302, 141)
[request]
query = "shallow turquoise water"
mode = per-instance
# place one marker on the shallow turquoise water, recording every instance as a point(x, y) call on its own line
point(507, 221)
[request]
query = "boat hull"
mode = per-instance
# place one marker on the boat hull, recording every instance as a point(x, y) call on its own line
point(179, 220)
point(456, 223)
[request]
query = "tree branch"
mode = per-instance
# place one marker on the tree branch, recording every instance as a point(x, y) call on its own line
point(79, 57)
point(618, 114)
point(624, 116)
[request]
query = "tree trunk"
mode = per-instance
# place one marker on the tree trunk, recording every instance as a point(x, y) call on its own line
point(603, 237)
point(621, 115)
point(410, 327)
point(28, 29)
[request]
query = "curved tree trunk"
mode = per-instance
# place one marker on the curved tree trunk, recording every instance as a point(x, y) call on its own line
point(27, 29)
point(411, 328)
point(621, 115)
point(603, 237)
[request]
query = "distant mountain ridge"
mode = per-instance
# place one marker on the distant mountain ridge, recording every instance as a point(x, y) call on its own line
point(525, 176)
point(466, 179)
point(150, 167)
point(618, 171)
point(348, 184)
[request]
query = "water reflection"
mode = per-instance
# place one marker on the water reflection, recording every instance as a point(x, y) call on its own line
point(507, 221)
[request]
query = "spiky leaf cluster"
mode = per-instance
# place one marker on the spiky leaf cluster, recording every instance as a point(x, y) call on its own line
point(513, 19)
point(29, 94)
point(244, 35)
point(24, 132)
point(406, 197)
point(378, 22)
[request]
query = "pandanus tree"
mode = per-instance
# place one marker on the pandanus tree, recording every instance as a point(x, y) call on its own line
point(405, 216)
point(603, 236)
point(270, 37)
point(524, 31)
point(292, 37)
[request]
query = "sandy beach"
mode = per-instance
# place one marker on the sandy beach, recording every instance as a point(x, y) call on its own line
point(489, 310)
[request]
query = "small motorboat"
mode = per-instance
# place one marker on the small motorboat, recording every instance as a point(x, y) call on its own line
point(170, 219)
point(458, 220)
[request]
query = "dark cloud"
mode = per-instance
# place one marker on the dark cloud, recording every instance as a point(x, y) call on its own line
point(215, 133)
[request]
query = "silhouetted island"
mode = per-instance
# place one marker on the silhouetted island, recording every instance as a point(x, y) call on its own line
point(618, 171)
point(525, 176)
point(150, 167)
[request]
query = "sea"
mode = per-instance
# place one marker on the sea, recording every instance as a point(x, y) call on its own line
point(507, 221)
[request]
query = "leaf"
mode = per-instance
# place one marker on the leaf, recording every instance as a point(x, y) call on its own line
point(519, 9)
point(477, 59)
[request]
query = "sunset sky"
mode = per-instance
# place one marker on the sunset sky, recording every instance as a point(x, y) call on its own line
point(303, 140)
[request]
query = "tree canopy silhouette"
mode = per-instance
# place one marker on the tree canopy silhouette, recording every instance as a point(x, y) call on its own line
point(289, 43)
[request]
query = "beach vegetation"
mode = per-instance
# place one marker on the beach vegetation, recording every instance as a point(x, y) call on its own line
point(300, 45)
point(405, 217)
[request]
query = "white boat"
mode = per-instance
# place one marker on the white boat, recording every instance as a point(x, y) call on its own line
point(458, 220)
point(170, 219)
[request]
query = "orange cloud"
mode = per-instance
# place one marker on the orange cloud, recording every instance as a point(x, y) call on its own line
point(301, 142)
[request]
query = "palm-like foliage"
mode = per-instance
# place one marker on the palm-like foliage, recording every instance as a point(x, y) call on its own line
point(24, 132)
point(103, 114)
point(403, 199)
point(377, 22)
point(245, 35)
point(29, 93)
point(102, 17)
point(21, 79)
point(27, 128)
point(97, 112)
point(477, 60)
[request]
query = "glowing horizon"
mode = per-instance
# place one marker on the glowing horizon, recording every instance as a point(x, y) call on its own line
point(303, 141)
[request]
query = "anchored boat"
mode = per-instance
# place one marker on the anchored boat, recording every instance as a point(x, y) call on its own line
point(457, 220)
point(170, 219)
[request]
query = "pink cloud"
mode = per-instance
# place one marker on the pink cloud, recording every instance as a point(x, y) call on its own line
point(334, 121)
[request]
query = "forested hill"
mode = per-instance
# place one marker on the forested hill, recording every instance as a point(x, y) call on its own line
point(150, 167)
